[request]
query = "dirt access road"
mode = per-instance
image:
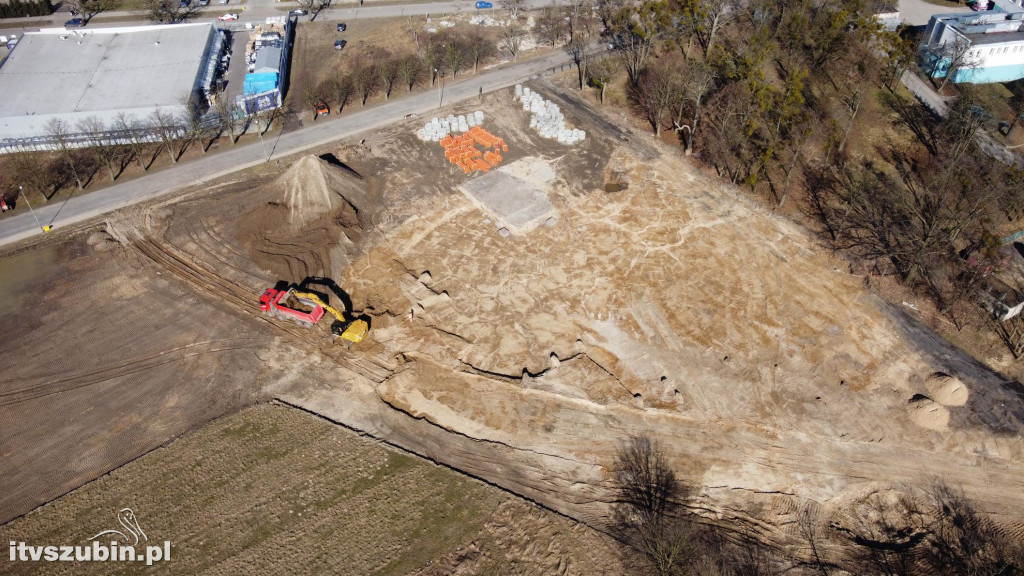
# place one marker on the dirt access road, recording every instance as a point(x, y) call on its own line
point(636, 296)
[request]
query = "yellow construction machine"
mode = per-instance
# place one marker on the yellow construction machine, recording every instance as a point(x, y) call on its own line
point(345, 326)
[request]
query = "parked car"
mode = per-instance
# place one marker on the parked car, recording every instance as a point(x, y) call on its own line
point(481, 5)
point(342, 27)
point(204, 2)
point(321, 109)
point(299, 12)
point(223, 1)
point(75, 23)
point(227, 17)
point(185, 3)
point(339, 44)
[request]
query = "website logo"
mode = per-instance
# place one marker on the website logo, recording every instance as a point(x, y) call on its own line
point(130, 535)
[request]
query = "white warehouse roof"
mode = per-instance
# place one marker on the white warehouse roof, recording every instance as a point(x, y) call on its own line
point(99, 72)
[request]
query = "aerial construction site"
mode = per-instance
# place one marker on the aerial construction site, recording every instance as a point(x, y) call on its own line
point(512, 300)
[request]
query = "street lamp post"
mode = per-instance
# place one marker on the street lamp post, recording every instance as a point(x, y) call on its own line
point(440, 87)
point(21, 192)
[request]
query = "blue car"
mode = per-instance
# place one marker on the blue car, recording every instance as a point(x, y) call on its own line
point(481, 4)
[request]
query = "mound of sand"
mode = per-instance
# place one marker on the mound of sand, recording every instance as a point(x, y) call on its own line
point(947, 390)
point(314, 187)
point(927, 413)
point(313, 222)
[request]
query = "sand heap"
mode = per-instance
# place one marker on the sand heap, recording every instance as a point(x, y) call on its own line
point(313, 222)
point(314, 187)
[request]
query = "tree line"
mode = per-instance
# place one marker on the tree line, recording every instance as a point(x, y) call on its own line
point(22, 8)
point(93, 146)
point(772, 96)
point(376, 71)
point(935, 530)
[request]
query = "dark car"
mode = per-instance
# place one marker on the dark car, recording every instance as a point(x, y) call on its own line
point(75, 23)
point(185, 3)
point(339, 44)
point(342, 27)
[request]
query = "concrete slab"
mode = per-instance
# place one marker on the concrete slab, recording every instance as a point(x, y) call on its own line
point(518, 203)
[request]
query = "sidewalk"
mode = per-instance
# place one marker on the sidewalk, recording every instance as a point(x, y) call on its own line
point(939, 104)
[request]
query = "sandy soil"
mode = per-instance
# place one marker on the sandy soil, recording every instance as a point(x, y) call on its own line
point(659, 302)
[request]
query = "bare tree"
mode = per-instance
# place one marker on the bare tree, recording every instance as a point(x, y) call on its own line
point(134, 134)
point(601, 73)
point(635, 30)
point(313, 7)
point(454, 55)
point(812, 530)
point(88, 9)
point(59, 132)
point(512, 39)
point(169, 11)
point(478, 48)
point(364, 81)
point(885, 532)
point(656, 93)
point(551, 25)
point(710, 21)
point(698, 82)
point(577, 15)
point(168, 129)
point(342, 90)
point(514, 7)
point(195, 128)
point(647, 510)
point(387, 69)
point(410, 68)
point(103, 147)
point(226, 117)
point(950, 57)
point(433, 60)
point(964, 542)
point(37, 172)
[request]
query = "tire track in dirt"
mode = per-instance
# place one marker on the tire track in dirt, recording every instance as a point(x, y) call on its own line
point(369, 364)
point(134, 366)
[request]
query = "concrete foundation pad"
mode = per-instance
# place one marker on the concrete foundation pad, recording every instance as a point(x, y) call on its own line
point(520, 204)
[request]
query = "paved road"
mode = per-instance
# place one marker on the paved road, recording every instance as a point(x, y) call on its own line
point(924, 92)
point(917, 12)
point(259, 10)
point(238, 158)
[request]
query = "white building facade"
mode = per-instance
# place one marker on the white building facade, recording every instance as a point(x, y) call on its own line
point(993, 40)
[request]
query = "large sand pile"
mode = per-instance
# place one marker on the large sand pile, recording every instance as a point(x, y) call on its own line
point(313, 223)
point(314, 187)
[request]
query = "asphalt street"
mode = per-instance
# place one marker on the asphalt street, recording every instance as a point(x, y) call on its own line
point(241, 157)
point(258, 10)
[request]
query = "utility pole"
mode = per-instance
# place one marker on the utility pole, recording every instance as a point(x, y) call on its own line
point(21, 192)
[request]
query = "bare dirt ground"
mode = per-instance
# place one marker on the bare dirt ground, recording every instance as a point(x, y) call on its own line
point(658, 301)
point(274, 490)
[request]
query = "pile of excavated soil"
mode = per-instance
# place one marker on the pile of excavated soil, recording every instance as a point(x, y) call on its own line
point(947, 390)
point(313, 222)
point(927, 413)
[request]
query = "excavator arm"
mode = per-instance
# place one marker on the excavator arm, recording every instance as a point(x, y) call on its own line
point(353, 330)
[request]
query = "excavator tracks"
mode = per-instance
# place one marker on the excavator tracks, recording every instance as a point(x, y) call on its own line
point(369, 361)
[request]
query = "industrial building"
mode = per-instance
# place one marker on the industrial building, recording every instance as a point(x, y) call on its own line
point(990, 44)
point(267, 57)
point(103, 73)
